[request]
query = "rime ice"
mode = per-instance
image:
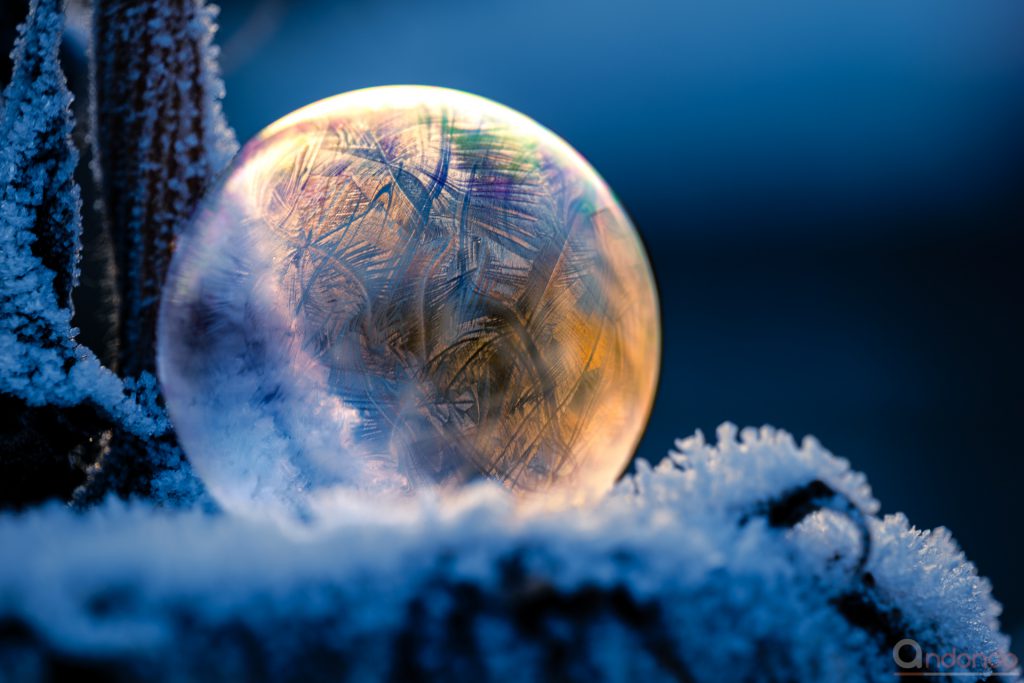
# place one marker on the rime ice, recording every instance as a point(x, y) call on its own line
point(729, 596)
point(404, 288)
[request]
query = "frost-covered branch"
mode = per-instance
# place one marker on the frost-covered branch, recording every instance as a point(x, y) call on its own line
point(39, 250)
point(160, 140)
point(40, 198)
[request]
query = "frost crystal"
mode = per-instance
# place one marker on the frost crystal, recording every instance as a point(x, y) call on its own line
point(731, 562)
point(39, 214)
point(39, 199)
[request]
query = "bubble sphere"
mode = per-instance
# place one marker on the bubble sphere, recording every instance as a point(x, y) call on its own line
point(403, 288)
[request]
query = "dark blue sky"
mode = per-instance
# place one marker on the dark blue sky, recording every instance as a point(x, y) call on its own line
point(839, 103)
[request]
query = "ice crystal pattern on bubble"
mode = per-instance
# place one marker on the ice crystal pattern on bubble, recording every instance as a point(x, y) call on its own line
point(409, 287)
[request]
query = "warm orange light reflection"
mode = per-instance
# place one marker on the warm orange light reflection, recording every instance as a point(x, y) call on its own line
point(453, 276)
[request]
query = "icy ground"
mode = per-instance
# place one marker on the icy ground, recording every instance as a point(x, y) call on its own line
point(728, 562)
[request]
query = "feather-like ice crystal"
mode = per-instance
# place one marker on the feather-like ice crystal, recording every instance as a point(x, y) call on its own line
point(405, 288)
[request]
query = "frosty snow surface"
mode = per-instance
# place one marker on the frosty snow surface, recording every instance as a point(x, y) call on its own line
point(442, 585)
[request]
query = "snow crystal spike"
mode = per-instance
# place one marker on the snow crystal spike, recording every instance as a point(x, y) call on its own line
point(160, 140)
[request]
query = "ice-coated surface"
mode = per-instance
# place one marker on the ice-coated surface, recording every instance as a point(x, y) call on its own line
point(408, 287)
point(160, 596)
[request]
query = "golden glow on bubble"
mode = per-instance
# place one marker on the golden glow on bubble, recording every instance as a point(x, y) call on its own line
point(447, 290)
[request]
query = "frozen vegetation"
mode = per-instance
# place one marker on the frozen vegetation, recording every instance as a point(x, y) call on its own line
point(56, 389)
point(154, 161)
point(153, 164)
point(741, 560)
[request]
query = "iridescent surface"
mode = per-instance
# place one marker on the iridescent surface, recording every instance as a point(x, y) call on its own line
point(408, 287)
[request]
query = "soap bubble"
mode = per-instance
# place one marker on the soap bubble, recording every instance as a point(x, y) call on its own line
point(407, 288)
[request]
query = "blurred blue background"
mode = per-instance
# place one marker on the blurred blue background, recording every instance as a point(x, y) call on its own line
point(832, 194)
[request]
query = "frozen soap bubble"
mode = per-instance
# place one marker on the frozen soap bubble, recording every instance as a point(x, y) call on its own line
point(402, 288)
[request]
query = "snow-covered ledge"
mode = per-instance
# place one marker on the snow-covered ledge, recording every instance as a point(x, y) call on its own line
point(752, 559)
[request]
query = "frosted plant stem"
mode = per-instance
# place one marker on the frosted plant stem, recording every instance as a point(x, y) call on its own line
point(160, 140)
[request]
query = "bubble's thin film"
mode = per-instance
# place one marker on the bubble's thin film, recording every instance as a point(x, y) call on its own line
point(408, 287)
